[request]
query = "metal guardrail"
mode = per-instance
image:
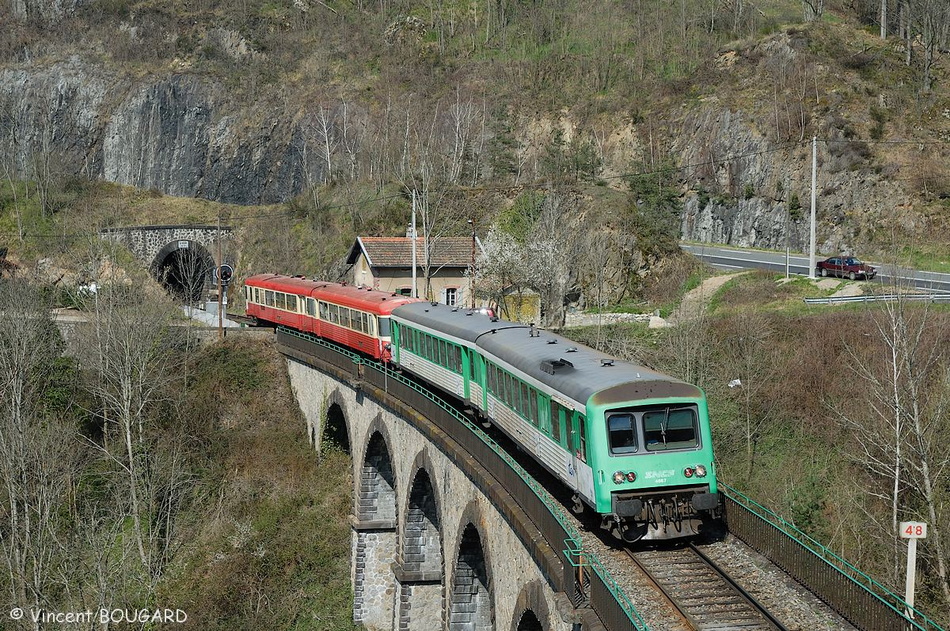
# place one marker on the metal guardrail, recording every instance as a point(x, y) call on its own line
point(578, 574)
point(832, 300)
point(857, 597)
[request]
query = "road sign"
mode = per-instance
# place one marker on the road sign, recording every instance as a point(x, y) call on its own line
point(913, 530)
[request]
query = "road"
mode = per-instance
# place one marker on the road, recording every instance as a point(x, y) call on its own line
point(736, 258)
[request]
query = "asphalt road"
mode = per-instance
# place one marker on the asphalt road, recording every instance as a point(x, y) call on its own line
point(736, 259)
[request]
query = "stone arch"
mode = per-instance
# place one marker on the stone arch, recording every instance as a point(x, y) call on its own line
point(471, 606)
point(376, 499)
point(421, 549)
point(420, 563)
point(335, 430)
point(375, 530)
point(184, 268)
point(530, 608)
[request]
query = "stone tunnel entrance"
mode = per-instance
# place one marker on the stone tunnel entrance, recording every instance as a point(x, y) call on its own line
point(184, 268)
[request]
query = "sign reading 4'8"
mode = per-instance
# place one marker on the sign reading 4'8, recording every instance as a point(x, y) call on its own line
point(913, 530)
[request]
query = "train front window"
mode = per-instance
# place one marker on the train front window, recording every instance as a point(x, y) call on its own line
point(622, 433)
point(670, 428)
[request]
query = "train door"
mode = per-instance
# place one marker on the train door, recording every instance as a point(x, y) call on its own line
point(561, 419)
point(581, 454)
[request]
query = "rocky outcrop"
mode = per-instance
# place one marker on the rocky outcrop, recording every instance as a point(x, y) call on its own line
point(44, 11)
point(175, 134)
point(764, 198)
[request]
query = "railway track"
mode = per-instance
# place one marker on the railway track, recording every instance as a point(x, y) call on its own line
point(703, 595)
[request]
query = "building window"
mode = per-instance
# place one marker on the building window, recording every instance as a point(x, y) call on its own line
point(451, 296)
point(404, 291)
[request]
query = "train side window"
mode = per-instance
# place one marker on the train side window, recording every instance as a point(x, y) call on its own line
point(269, 298)
point(257, 295)
point(533, 407)
point(582, 446)
point(279, 301)
point(622, 433)
point(555, 423)
point(525, 399)
point(291, 302)
point(311, 307)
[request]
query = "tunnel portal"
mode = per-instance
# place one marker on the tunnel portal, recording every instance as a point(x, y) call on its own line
point(184, 268)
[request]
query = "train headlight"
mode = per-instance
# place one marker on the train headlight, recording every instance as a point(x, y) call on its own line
point(631, 477)
point(700, 471)
point(688, 472)
point(619, 477)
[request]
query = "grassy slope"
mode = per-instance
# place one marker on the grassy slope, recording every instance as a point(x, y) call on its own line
point(269, 545)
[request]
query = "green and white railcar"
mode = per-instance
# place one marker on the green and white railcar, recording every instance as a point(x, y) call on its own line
point(634, 445)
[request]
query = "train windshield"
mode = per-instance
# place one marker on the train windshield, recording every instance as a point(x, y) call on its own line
point(670, 428)
point(384, 327)
point(663, 428)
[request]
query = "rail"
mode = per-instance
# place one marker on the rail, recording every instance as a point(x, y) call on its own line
point(857, 597)
point(836, 300)
point(578, 574)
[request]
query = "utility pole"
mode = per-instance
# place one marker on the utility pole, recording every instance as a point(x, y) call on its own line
point(814, 202)
point(471, 269)
point(412, 230)
point(220, 285)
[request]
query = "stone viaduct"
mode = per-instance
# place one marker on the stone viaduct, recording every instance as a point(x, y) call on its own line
point(433, 546)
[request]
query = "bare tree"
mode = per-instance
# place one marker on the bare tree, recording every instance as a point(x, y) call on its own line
point(127, 347)
point(34, 449)
point(751, 365)
point(908, 391)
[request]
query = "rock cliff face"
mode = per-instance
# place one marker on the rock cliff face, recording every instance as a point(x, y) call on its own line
point(184, 134)
point(169, 133)
point(764, 199)
point(44, 10)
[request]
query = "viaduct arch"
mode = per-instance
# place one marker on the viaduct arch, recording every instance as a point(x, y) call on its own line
point(429, 548)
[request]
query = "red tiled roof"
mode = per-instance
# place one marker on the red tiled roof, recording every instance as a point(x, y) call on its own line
point(397, 251)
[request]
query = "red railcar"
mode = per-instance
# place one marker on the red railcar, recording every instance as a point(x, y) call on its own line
point(352, 316)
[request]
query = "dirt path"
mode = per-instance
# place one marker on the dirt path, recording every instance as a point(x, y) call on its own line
point(695, 299)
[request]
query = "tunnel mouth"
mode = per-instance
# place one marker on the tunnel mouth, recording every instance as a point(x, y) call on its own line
point(184, 271)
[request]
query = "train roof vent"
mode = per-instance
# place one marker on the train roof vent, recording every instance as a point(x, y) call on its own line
point(551, 365)
point(606, 362)
point(572, 349)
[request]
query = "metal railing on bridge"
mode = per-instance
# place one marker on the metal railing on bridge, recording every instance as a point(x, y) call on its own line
point(857, 597)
